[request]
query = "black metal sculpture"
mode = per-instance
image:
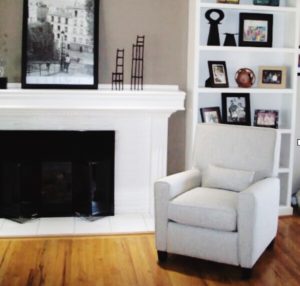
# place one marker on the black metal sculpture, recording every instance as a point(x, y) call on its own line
point(213, 36)
point(229, 39)
point(118, 75)
point(137, 66)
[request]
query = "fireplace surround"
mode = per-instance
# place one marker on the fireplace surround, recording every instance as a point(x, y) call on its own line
point(138, 118)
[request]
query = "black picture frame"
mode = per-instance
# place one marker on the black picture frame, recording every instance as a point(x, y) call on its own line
point(236, 108)
point(60, 44)
point(256, 30)
point(298, 69)
point(266, 118)
point(267, 2)
point(218, 74)
point(211, 114)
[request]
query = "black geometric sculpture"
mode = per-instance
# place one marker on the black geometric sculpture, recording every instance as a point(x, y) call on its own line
point(213, 36)
point(229, 39)
point(137, 65)
point(118, 76)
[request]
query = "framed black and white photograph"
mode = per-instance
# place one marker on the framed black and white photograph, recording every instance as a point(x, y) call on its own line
point(218, 74)
point(236, 108)
point(256, 30)
point(266, 118)
point(60, 44)
point(272, 77)
point(210, 114)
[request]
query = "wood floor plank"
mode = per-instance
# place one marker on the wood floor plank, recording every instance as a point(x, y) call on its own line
point(131, 260)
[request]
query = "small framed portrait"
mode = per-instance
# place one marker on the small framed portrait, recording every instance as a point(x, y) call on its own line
point(266, 2)
point(210, 114)
point(266, 118)
point(256, 30)
point(236, 108)
point(229, 1)
point(218, 74)
point(272, 77)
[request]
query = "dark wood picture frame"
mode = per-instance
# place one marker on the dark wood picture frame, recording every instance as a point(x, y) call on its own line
point(298, 70)
point(211, 114)
point(266, 118)
point(60, 45)
point(267, 2)
point(236, 108)
point(218, 74)
point(256, 30)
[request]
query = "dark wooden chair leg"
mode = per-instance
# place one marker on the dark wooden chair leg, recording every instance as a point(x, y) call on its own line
point(162, 256)
point(246, 273)
point(271, 245)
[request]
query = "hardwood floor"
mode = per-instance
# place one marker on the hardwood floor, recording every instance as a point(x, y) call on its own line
point(131, 260)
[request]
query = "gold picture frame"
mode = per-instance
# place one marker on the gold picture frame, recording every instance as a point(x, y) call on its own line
point(272, 77)
point(229, 1)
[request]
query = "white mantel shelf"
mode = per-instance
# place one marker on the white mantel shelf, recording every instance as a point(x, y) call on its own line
point(152, 98)
point(139, 119)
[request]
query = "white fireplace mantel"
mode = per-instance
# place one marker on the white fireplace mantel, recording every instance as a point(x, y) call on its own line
point(139, 118)
point(152, 98)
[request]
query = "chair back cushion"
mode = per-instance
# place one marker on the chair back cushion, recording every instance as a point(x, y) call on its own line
point(238, 147)
point(228, 179)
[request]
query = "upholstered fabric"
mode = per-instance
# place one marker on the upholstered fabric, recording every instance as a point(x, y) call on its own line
point(207, 244)
point(215, 224)
point(226, 178)
point(207, 208)
point(237, 147)
point(164, 190)
point(257, 219)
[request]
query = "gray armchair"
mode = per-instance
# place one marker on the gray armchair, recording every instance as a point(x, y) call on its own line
point(225, 209)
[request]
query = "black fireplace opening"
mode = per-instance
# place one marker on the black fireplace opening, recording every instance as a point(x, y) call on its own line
point(56, 173)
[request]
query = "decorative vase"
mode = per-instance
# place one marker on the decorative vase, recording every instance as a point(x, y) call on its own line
point(245, 77)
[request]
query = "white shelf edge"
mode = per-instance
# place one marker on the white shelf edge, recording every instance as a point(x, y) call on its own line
point(285, 210)
point(256, 8)
point(245, 90)
point(285, 131)
point(246, 49)
point(283, 170)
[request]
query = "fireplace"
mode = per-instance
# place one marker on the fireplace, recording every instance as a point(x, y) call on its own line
point(56, 173)
point(138, 118)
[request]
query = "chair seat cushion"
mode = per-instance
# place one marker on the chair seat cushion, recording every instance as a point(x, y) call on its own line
point(207, 208)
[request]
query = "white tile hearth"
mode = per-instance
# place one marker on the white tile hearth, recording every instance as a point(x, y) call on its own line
point(58, 225)
point(118, 224)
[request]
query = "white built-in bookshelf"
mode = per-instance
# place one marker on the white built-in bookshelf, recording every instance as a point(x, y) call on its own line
point(283, 53)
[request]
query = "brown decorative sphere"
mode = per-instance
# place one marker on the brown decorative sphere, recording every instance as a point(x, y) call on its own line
point(245, 77)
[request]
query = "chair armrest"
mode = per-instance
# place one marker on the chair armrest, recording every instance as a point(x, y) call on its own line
point(258, 208)
point(166, 189)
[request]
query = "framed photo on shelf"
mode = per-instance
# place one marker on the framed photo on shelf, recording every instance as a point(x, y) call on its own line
point(236, 108)
point(298, 64)
point(256, 30)
point(60, 44)
point(266, 118)
point(266, 2)
point(229, 1)
point(210, 114)
point(272, 77)
point(218, 74)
